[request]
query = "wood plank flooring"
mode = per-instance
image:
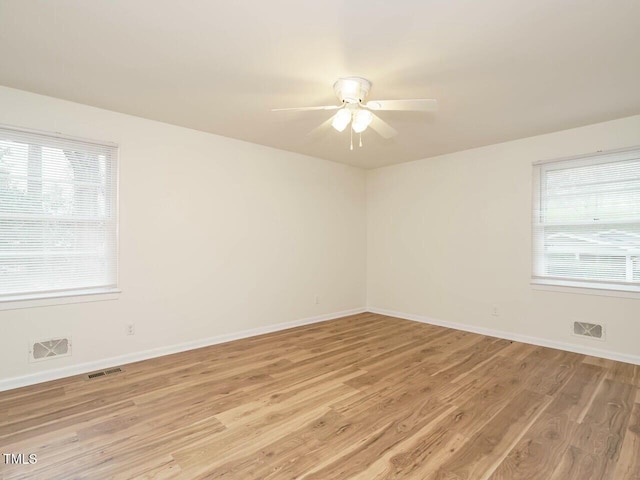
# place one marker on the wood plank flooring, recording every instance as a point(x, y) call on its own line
point(363, 397)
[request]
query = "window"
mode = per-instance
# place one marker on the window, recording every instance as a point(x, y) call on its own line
point(58, 216)
point(586, 221)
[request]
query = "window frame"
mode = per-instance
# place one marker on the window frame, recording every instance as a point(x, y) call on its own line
point(79, 295)
point(565, 284)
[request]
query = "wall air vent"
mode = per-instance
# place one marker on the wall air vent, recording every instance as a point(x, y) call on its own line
point(48, 349)
point(591, 330)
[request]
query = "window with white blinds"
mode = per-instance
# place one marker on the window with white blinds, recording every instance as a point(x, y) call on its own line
point(58, 216)
point(586, 221)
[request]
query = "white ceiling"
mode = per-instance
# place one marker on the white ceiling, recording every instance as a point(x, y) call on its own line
point(501, 69)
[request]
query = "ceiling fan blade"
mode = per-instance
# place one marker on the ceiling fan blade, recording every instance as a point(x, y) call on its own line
point(382, 128)
point(324, 107)
point(417, 104)
point(320, 129)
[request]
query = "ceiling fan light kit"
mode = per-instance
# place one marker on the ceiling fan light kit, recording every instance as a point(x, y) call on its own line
point(361, 120)
point(352, 91)
point(341, 119)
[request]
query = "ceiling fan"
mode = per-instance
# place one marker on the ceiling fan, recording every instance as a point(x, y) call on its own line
point(352, 91)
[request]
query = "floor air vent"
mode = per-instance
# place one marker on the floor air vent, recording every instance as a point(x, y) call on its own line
point(104, 373)
point(47, 349)
point(592, 330)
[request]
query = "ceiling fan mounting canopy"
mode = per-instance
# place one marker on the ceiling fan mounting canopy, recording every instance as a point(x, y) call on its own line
point(352, 89)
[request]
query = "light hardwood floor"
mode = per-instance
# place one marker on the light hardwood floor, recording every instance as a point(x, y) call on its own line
point(362, 397)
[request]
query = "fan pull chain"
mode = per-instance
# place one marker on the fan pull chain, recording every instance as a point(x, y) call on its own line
point(351, 131)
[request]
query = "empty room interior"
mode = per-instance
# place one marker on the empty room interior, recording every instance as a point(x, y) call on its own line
point(320, 240)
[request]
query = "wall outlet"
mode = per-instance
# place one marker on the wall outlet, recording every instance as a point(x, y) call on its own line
point(317, 299)
point(131, 329)
point(494, 311)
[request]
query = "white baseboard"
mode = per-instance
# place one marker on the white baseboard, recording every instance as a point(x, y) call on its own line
point(55, 374)
point(543, 342)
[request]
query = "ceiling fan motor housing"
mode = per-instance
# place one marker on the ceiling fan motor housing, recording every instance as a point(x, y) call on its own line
point(352, 89)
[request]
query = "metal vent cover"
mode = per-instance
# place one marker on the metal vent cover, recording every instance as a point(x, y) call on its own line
point(47, 349)
point(103, 373)
point(591, 330)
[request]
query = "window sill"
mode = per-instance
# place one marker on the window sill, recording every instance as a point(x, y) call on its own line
point(582, 289)
point(46, 300)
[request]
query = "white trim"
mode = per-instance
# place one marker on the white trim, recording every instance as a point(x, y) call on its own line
point(543, 342)
point(91, 141)
point(548, 286)
point(117, 214)
point(46, 300)
point(634, 150)
point(71, 370)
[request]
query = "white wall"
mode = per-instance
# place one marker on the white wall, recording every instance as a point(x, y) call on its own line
point(220, 236)
point(216, 236)
point(450, 237)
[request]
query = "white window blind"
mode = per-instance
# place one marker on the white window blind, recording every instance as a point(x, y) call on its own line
point(586, 221)
point(58, 215)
